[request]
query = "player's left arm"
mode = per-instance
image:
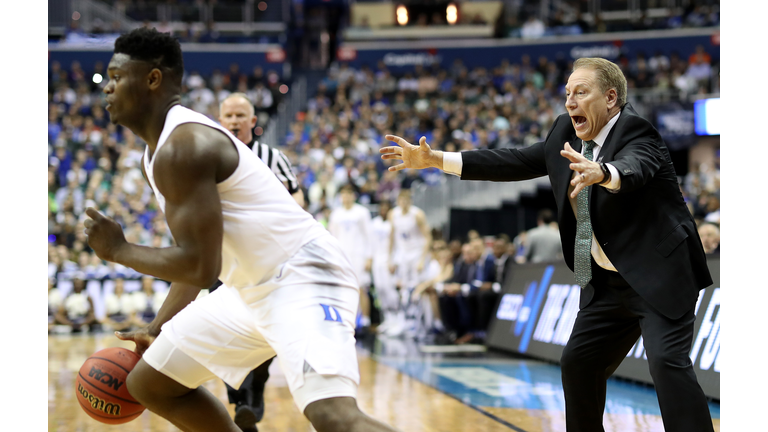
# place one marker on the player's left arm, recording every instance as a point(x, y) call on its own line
point(186, 170)
point(421, 222)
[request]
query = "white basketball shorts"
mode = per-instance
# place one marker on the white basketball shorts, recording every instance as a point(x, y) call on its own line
point(307, 320)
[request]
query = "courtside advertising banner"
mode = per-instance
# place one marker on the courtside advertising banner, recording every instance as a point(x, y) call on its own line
point(539, 303)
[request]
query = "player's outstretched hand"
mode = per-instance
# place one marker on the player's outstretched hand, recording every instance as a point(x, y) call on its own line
point(141, 337)
point(415, 157)
point(105, 236)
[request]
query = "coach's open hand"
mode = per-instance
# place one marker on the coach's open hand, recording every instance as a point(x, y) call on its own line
point(589, 172)
point(415, 157)
point(143, 338)
point(105, 236)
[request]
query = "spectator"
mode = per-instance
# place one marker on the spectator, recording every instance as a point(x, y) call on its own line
point(54, 303)
point(76, 311)
point(501, 259)
point(710, 238)
point(481, 298)
point(543, 242)
point(533, 28)
point(454, 309)
point(433, 282)
point(120, 309)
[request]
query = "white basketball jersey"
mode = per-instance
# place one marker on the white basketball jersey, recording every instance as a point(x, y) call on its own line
point(380, 232)
point(353, 229)
point(408, 238)
point(263, 225)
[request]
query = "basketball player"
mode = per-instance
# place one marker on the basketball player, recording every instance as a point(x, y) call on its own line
point(236, 113)
point(410, 242)
point(351, 225)
point(383, 281)
point(287, 288)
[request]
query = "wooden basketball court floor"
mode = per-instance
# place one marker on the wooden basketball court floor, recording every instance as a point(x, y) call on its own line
point(400, 385)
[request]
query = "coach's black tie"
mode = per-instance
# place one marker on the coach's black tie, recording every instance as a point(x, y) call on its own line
point(582, 265)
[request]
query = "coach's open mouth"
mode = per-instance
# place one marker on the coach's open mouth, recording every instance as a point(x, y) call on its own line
point(579, 121)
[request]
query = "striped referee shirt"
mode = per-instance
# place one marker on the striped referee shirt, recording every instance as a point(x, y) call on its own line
point(278, 163)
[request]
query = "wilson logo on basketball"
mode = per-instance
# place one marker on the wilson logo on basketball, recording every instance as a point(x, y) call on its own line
point(105, 378)
point(98, 403)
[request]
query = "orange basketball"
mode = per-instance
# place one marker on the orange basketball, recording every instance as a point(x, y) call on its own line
point(101, 388)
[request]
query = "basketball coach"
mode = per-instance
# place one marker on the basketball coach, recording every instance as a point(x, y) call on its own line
point(626, 234)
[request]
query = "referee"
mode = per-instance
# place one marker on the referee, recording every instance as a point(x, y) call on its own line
point(236, 113)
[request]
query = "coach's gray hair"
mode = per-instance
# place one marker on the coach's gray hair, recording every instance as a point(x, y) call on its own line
point(609, 76)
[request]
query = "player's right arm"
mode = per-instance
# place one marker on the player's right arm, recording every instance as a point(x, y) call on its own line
point(187, 170)
point(179, 296)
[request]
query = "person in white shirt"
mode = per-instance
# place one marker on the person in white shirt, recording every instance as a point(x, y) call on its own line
point(76, 311)
point(409, 246)
point(383, 280)
point(120, 308)
point(54, 303)
point(287, 288)
point(351, 225)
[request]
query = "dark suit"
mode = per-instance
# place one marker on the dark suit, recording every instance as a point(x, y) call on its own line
point(650, 237)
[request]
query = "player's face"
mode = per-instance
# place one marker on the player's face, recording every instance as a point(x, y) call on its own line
point(236, 116)
point(404, 200)
point(347, 198)
point(122, 90)
point(586, 104)
point(384, 208)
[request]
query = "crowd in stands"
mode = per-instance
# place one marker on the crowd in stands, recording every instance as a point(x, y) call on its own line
point(335, 141)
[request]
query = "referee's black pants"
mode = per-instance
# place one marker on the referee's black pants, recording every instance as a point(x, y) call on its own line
point(604, 332)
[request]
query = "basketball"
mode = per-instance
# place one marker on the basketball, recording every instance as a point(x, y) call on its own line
point(101, 388)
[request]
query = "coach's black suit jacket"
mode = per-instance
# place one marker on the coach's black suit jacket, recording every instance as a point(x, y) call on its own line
point(644, 228)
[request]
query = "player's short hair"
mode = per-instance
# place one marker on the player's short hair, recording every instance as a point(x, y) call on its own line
point(609, 76)
point(160, 49)
point(347, 188)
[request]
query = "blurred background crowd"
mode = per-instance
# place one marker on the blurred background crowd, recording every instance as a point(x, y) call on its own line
point(333, 140)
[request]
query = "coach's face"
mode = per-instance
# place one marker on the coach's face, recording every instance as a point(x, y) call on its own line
point(586, 104)
point(236, 115)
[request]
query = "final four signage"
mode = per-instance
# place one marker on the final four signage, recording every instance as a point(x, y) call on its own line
point(539, 304)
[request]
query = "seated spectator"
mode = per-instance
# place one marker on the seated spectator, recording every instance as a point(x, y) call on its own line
point(481, 298)
point(710, 238)
point(454, 309)
point(423, 313)
point(147, 302)
point(120, 308)
point(533, 28)
point(76, 311)
point(54, 303)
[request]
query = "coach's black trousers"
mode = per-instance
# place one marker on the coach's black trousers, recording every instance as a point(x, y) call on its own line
point(604, 332)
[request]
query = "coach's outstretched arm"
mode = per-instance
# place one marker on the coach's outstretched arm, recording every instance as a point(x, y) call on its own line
point(483, 164)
